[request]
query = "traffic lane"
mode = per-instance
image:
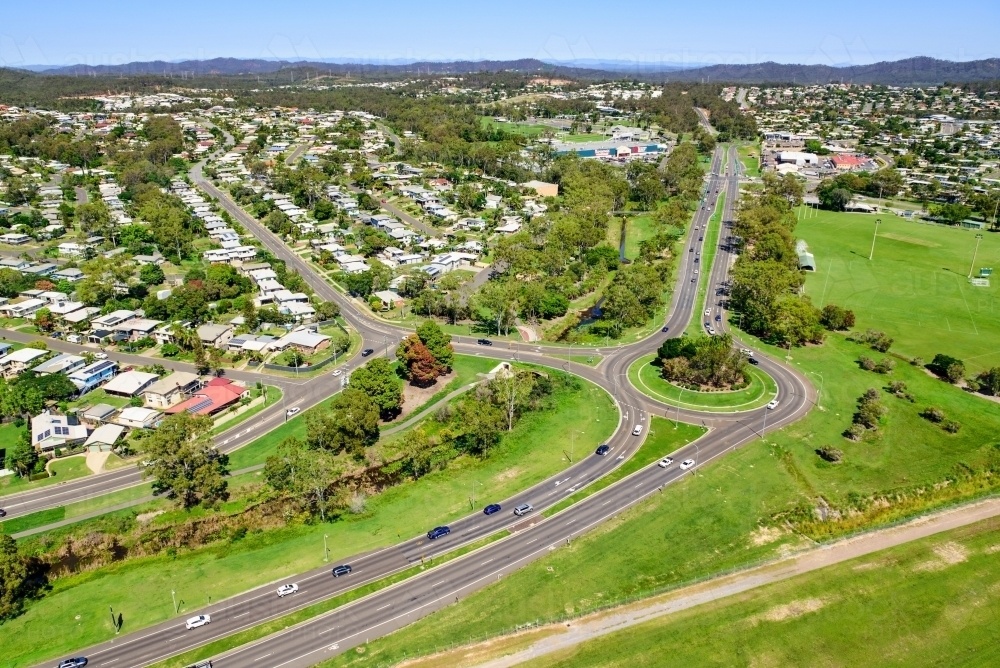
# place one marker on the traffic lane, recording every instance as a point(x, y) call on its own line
point(347, 626)
point(261, 604)
point(71, 491)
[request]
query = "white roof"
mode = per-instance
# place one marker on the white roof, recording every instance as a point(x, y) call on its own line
point(302, 338)
point(24, 355)
point(130, 382)
point(137, 414)
point(107, 434)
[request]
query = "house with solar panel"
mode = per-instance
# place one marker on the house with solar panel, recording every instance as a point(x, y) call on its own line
point(219, 394)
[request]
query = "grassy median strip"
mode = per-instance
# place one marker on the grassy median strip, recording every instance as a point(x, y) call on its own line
point(280, 623)
point(662, 440)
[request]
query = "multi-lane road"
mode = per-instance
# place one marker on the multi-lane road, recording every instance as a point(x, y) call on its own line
point(532, 537)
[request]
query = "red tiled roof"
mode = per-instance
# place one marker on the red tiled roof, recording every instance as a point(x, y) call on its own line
point(215, 396)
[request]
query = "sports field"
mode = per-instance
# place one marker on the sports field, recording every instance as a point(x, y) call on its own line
point(915, 288)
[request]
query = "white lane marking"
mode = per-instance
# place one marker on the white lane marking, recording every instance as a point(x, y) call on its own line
point(531, 541)
point(263, 657)
point(439, 583)
point(486, 562)
point(243, 615)
point(383, 607)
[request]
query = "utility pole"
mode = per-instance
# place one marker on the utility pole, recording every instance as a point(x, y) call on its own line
point(326, 550)
point(173, 597)
point(979, 238)
point(877, 222)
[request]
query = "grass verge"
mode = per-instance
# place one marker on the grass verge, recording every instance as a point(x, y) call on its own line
point(646, 378)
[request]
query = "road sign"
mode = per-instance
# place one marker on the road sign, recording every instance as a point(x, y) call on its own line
point(980, 282)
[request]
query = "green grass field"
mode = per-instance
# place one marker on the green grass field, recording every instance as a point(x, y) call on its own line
point(140, 588)
point(63, 470)
point(931, 602)
point(519, 128)
point(646, 378)
point(915, 289)
point(751, 164)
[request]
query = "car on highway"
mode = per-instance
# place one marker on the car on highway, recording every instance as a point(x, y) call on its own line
point(708, 325)
point(772, 404)
point(77, 662)
point(292, 411)
point(747, 352)
point(718, 318)
point(636, 430)
point(337, 372)
point(484, 342)
point(665, 329)
point(701, 238)
point(691, 250)
point(100, 356)
point(285, 590)
point(711, 331)
point(199, 620)
point(708, 311)
point(696, 260)
point(367, 351)
point(523, 509)
point(343, 569)
point(753, 361)
point(437, 532)
point(492, 508)
point(665, 462)
point(686, 464)
point(696, 271)
point(602, 450)
point(3, 513)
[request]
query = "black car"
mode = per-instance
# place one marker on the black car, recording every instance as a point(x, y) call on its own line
point(489, 510)
point(701, 238)
point(3, 513)
point(718, 318)
point(484, 342)
point(437, 532)
point(603, 450)
point(752, 361)
point(696, 259)
point(367, 351)
point(691, 250)
point(78, 662)
point(665, 329)
point(341, 570)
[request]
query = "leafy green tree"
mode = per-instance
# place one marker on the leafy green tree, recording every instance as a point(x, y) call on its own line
point(438, 343)
point(94, 218)
point(151, 274)
point(21, 455)
point(21, 578)
point(304, 473)
point(837, 318)
point(183, 462)
point(350, 425)
point(378, 380)
point(989, 381)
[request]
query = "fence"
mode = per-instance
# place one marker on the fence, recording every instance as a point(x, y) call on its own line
point(318, 365)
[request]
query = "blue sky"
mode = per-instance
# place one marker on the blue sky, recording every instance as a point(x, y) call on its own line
point(726, 31)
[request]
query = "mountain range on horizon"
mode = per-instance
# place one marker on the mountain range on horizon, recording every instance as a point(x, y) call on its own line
point(911, 71)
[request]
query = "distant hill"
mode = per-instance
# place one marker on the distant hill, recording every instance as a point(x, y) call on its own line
point(912, 71)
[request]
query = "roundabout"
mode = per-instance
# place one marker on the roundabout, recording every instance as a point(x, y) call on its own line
point(646, 378)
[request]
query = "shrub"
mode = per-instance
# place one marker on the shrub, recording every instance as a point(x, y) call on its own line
point(836, 318)
point(885, 365)
point(866, 363)
point(873, 338)
point(932, 414)
point(917, 361)
point(830, 454)
point(948, 367)
point(855, 432)
point(897, 387)
point(951, 427)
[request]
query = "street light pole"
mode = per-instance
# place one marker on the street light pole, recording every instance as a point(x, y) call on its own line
point(326, 550)
point(877, 221)
point(764, 429)
point(979, 238)
point(677, 421)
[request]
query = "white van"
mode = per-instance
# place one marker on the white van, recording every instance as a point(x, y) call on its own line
point(637, 430)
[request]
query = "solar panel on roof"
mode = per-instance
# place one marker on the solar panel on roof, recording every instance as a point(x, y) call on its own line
point(204, 403)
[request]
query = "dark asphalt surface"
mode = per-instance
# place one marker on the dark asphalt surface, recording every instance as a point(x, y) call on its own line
point(405, 602)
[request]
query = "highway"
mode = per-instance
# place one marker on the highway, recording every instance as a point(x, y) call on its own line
point(391, 608)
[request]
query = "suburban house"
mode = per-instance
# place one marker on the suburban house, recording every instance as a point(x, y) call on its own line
point(214, 397)
point(19, 360)
point(216, 336)
point(390, 299)
point(64, 363)
point(93, 375)
point(98, 414)
point(130, 383)
point(112, 319)
point(302, 340)
point(49, 431)
point(23, 309)
point(171, 389)
point(137, 328)
point(137, 418)
point(70, 275)
point(250, 343)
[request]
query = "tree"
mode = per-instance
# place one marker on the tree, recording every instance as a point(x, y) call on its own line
point(350, 424)
point(21, 455)
point(183, 462)
point(151, 274)
point(510, 390)
point(201, 362)
point(20, 578)
point(304, 473)
point(989, 381)
point(293, 357)
point(249, 312)
point(377, 380)
point(499, 298)
point(438, 343)
point(481, 424)
point(834, 199)
point(94, 218)
point(44, 320)
point(421, 367)
point(836, 318)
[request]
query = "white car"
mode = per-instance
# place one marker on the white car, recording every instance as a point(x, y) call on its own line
point(637, 430)
point(101, 356)
point(708, 312)
point(285, 590)
point(292, 411)
point(772, 404)
point(747, 352)
point(337, 372)
point(200, 620)
point(686, 464)
point(665, 462)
